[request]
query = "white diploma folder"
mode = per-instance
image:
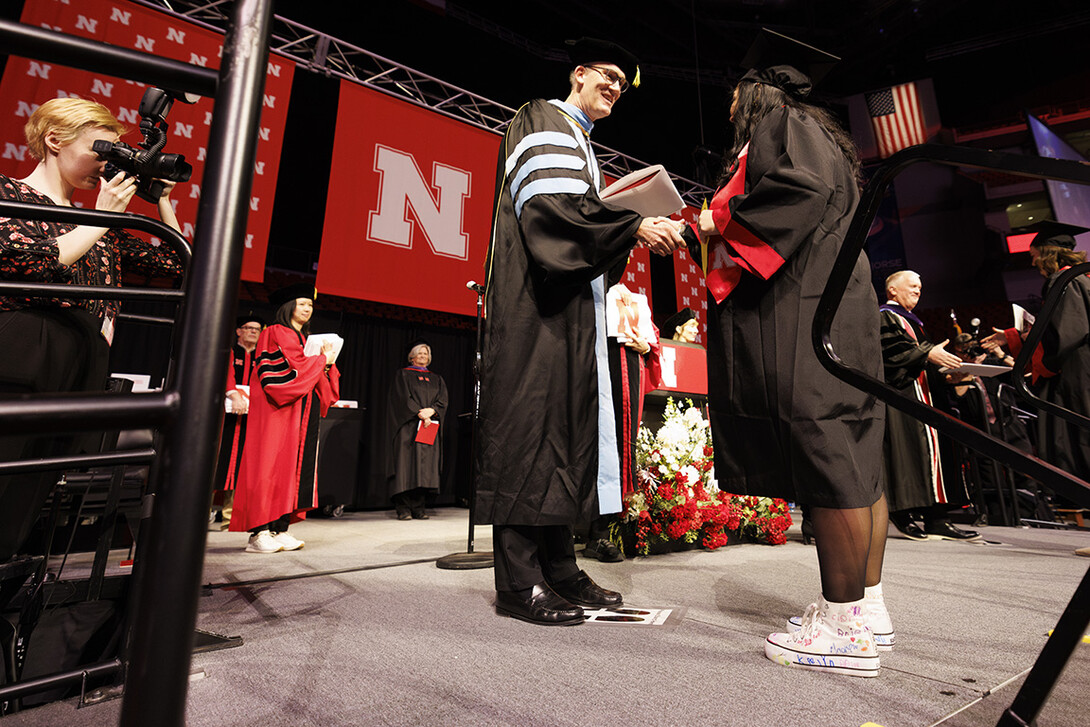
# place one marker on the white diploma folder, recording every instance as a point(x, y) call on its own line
point(1023, 321)
point(646, 191)
point(985, 370)
point(314, 343)
point(228, 404)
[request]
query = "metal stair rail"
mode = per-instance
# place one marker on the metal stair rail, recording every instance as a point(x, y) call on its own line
point(166, 578)
point(1075, 619)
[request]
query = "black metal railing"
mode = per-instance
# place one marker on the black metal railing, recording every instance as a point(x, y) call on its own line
point(1076, 617)
point(170, 555)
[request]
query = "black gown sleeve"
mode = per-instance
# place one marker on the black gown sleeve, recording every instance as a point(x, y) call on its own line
point(904, 358)
point(789, 162)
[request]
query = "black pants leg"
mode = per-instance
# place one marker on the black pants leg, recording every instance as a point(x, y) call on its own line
point(410, 502)
point(279, 525)
point(526, 555)
point(45, 350)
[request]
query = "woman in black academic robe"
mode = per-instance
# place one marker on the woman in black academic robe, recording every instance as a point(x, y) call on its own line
point(417, 402)
point(782, 425)
point(1065, 350)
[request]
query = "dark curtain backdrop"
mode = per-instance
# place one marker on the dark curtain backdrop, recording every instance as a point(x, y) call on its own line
point(374, 349)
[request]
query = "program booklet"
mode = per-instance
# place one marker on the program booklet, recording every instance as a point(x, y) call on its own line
point(314, 343)
point(646, 191)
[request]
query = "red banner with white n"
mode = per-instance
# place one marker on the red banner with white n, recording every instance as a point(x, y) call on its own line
point(409, 208)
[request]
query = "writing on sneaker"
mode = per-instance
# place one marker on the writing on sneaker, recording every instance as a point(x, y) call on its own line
point(877, 620)
point(832, 637)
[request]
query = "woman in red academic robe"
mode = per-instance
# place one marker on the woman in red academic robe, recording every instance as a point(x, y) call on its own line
point(276, 485)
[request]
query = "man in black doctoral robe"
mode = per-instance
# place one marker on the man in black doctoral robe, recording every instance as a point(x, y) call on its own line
point(911, 459)
point(546, 454)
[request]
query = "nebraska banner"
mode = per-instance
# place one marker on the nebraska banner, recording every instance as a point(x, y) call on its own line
point(410, 204)
point(637, 275)
point(28, 83)
point(689, 282)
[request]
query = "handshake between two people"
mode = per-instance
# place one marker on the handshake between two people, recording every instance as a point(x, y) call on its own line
point(660, 235)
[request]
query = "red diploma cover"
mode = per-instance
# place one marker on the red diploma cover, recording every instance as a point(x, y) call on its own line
point(426, 435)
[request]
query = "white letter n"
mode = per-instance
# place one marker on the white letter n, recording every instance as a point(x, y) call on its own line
point(401, 186)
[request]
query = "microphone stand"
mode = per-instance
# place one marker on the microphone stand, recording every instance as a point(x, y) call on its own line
point(470, 560)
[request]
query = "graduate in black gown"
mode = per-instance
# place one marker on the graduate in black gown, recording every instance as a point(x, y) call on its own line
point(1065, 350)
point(1061, 364)
point(782, 425)
point(546, 450)
point(417, 399)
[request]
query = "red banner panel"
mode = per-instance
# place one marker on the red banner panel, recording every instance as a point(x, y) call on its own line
point(409, 211)
point(689, 282)
point(637, 276)
point(28, 83)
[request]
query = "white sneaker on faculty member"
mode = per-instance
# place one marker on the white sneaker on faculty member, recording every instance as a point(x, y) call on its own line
point(263, 542)
point(288, 541)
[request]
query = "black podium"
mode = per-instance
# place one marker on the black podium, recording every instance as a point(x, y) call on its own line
point(339, 434)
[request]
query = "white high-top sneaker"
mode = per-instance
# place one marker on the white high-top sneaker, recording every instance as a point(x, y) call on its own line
point(877, 619)
point(832, 637)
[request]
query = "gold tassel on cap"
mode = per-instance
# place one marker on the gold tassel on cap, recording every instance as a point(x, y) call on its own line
point(636, 80)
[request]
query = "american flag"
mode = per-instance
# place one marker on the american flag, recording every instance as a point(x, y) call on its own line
point(896, 117)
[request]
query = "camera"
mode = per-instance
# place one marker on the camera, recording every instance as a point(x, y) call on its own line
point(148, 164)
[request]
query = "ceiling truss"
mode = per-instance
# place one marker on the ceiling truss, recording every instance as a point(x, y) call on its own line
point(320, 53)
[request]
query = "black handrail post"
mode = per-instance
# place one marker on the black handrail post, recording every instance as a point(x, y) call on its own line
point(168, 581)
point(1073, 623)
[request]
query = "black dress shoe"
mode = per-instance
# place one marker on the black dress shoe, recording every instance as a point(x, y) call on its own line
point(603, 550)
point(582, 591)
point(945, 530)
point(420, 515)
point(403, 516)
point(909, 528)
point(539, 605)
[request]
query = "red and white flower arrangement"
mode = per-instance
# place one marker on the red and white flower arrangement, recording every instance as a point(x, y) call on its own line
point(676, 498)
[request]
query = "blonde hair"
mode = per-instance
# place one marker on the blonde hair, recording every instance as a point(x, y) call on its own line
point(67, 118)
point(417, 347)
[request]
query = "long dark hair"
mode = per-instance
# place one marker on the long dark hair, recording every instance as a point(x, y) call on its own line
point(1050, 258)
point(284, 314)
point(757, 100)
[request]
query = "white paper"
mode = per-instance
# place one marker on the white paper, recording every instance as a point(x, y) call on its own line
point(646, 191)
point(985, 370)
point(140, 382)
point(228, 404)
point(315, 341)
point(1023, 320)
point(636, 321)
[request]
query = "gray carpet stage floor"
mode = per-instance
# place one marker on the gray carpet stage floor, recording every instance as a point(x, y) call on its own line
point(416, 645)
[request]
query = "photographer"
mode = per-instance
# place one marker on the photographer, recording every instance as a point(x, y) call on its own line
point(61, 344)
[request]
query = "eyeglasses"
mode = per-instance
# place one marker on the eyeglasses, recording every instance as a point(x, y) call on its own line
point(612, 77)
point(252, 329)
